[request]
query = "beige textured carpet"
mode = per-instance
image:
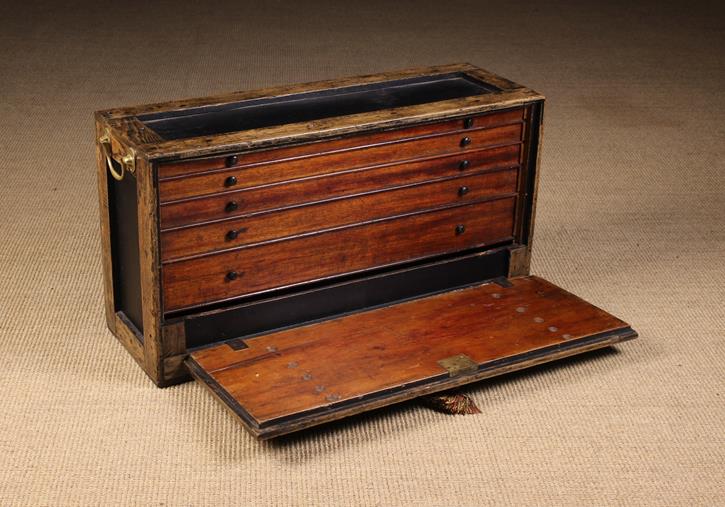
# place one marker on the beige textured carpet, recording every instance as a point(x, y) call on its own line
point(631, 216)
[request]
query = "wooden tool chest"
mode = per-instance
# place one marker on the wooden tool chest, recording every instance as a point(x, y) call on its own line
point(313, 251)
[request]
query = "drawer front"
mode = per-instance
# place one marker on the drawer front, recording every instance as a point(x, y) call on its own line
point(285, 170)
point(287, 262)
point(227, 234)
point(244, 202)
point(187, 168)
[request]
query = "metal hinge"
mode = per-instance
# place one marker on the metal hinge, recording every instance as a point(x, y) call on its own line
point(459, 365)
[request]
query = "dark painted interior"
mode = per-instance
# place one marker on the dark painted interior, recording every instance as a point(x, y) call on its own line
point(328, 301)
point(309, 106)
point(123, 211)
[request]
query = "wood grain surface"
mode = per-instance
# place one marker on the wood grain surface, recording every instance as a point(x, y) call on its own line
point(217, 206)
point(105, 232)
point(508, 95)
point(322, 367)
point(220, 235)
point(174, 170)
point(230, 215)
point(348, 250)
point(278, 91)
point(150, 266)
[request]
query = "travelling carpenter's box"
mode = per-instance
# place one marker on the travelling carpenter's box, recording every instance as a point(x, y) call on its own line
point(314, 251)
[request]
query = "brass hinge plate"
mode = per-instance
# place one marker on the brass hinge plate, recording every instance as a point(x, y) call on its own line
point(458, 365)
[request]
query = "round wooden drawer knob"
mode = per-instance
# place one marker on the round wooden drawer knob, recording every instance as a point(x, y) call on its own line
point(231, 206)
point(464, 165)
point(465, 141)
point(460, 229)
point(232, 235)
point(468, 123)
point(231, 160)
point(463, 190)
point(230, 181)
point(232, 275)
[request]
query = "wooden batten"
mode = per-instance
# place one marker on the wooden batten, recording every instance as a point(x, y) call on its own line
point(173, 337)
point(150, 266)
point(519, 261)
point(535, 167)
point(103, 213)
point(129, 337)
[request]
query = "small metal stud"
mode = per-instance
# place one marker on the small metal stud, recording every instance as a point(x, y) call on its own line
point(271, 348)
point(538, 320)
point(496, 295)
point(332, 397)
point(231, 160)
point(230, 181)
point(520, 309)
point(553, 329)
point(307, 376)
point(465, 141)
point(460, 229)
point(231, 206)
point(464, 165)
point(567, 336)
point(463, 190)
point(319, 389)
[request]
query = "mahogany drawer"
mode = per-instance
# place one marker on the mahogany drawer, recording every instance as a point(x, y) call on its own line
point(326, 162)
point(228, 204)
point(268, 197)
point(250, 270)
point(199, 239)
point(170, 170)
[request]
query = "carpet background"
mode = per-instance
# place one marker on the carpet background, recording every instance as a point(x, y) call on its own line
point(631, 213)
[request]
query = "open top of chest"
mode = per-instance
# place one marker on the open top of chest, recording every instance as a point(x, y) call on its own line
point(255, 113)
point(327, 248)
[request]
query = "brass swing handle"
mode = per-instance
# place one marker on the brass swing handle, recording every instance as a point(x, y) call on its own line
point(127, 162)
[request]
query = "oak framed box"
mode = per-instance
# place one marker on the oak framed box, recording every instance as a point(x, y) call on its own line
point(313, 251)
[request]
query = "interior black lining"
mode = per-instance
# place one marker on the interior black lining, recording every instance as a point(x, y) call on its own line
point(316, 303)
point(309, 106)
